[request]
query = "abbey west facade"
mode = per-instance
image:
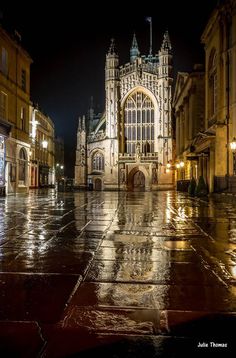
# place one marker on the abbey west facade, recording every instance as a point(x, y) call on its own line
point(129, 146)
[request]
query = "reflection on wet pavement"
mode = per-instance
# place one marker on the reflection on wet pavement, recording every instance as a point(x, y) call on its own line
point(117, 274)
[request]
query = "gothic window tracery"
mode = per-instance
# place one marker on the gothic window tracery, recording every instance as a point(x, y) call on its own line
point(139, 123)
point(98, 161)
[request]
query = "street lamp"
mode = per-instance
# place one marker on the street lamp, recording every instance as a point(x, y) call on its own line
point(59, 171)
point(44, 144)
point(233, 148)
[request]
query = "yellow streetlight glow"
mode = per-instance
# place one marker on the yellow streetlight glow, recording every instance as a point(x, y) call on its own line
point(45, 144)
point(233, 144)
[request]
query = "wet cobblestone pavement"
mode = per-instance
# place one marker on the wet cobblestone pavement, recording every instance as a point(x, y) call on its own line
point(117, 275)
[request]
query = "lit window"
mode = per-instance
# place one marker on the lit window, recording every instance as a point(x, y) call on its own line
point(22, 166)
point(22, 118)
point(140, 123)
point(98, 161)
point(3, 105)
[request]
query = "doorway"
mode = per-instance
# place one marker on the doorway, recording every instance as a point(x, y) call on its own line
point(139, 181)
point(98, 184)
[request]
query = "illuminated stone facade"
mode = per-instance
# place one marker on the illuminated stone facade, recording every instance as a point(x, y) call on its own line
point(205, 117)
point(219, 39)
point(42, 150)
point(129, 146)
point(189, 112)
point(14, 111)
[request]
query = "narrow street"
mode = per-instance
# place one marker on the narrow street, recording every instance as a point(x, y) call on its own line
point(138, 274)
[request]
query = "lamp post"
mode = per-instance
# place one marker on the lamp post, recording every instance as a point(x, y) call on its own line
point(59, 171)
point(62, 171)
point(182, 169)
point(233, 148)
point(44, 166)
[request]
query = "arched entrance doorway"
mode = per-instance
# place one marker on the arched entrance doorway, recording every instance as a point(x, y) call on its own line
point(22, 169)
point(139, 181)
point(98, 184)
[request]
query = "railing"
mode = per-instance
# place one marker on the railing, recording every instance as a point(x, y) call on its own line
point(146, 67)
point(142, 157)
point(98, 136)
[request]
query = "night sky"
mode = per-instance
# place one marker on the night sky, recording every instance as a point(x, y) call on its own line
point(68, 44)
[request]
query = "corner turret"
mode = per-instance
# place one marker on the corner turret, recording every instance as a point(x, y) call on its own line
point(81, 155)
point(166, 44)
point(134, 50)
point(112, 91)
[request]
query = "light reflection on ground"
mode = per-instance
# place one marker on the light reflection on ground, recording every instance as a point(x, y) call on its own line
point(118, 274)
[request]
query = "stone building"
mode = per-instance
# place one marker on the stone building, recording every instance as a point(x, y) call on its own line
point(42, 150)
point(129, 146)
point(204, 149)
point(14, 114)
point(219, 39)
point(189, 112)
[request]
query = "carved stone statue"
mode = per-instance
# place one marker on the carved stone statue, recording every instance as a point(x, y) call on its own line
point(138, 152)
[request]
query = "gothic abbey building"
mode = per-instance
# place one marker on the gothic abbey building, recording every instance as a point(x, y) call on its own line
point(129, 146)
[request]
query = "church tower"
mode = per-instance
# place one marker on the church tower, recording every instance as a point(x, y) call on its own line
point(81, 155)
point(112, 91)
point(165, 98)
point(129, 146)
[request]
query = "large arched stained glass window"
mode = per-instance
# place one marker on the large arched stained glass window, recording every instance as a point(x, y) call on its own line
point(139, 123)
point(98, 161)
